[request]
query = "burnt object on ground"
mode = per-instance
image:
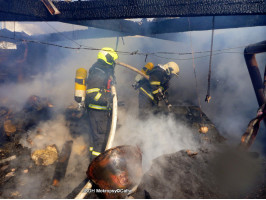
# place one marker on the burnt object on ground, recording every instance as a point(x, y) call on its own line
point(35, 110)
point(61, 166)
point(119, 168)
point(209, 174)
point(45, 156)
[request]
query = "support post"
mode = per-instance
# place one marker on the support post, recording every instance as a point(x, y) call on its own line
point(253, 69)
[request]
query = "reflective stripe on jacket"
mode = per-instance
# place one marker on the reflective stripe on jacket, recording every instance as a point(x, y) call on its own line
point(147, 93)
point(97, 107)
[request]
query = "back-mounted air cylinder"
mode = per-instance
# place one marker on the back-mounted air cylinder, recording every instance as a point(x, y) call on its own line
point(80, 85)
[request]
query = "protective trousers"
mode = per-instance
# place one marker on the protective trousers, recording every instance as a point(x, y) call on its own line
point(99, 122)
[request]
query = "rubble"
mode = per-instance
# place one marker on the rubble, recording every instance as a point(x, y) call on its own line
point(35, 103)
point(10, 174)
point(209, 175)
point(191, 153)
point(45, 156)
point(3, 111)
point(163, 180)
point(203, 129)
point(9, 128)
point(8, 159)
point(3, 168)
point(62, 163)
point(15, 194)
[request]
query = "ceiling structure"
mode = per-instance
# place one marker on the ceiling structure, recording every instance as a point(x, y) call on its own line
point(33, 10)
point(193, 15)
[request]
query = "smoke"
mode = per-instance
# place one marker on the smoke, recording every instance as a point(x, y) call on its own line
point(233, 103)
point(155, 136)
point(48, 133)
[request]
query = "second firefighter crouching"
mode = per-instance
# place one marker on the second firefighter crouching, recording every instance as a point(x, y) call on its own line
point(154, 90)
point(99, 99)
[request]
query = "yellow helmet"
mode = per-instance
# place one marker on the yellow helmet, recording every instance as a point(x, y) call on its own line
point(171, 68)
point(108, 55)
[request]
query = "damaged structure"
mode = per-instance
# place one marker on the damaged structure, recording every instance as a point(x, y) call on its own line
point(207, 172)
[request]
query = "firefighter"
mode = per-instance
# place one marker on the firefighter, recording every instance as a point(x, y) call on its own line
point(155, 89)
point(98, 99)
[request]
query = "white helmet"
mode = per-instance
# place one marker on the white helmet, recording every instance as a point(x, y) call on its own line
point(171, 68)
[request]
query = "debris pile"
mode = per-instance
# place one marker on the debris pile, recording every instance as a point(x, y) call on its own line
point(9, 128)
point(14, 123)
point(45, 156)
point(207, 174)
point(184, 174)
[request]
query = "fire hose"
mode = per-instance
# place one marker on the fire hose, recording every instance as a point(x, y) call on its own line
point(133, 69)
point(109, 144)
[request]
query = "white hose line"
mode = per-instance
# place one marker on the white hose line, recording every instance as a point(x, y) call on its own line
point(114, 120)
point(109, 144)
point(84, 191)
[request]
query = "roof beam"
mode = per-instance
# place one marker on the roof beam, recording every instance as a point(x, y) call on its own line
point(33, 10)
point(146, 28)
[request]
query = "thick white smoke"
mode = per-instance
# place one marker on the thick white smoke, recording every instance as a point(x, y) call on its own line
point(155, 136)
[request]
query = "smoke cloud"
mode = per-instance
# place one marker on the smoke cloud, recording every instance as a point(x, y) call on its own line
point(155, 136)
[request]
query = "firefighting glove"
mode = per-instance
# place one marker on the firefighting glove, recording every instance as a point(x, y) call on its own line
point(160, 94)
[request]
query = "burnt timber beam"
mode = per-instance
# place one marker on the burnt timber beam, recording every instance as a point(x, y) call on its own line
point(205, 23)
point(33, 10)
point(176, 25)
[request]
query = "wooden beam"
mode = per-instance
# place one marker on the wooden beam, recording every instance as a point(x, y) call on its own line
point(32, 10)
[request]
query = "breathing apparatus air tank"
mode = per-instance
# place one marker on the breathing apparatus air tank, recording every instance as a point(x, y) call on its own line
point(80, 85)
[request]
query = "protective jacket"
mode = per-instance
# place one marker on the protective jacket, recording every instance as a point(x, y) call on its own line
point(155, 88)
point(98, 86)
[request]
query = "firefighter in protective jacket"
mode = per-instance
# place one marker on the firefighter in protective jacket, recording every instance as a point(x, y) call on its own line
point(155, 90)
point(98, 99)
